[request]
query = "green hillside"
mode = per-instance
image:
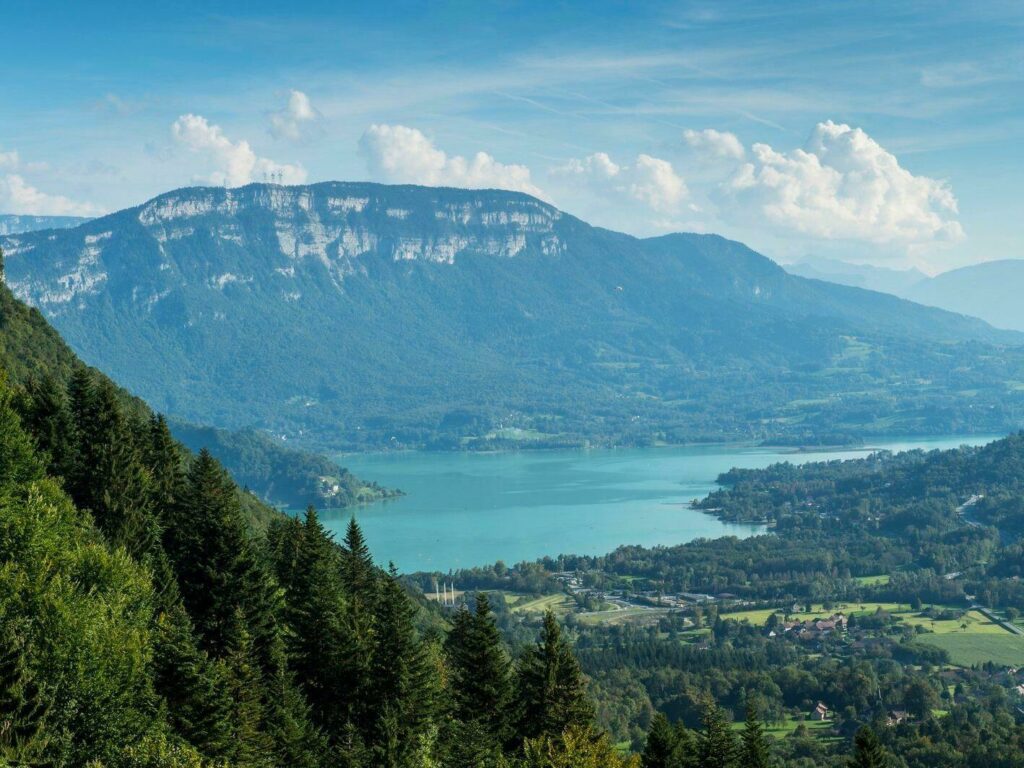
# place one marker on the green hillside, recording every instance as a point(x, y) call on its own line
point(349, 316)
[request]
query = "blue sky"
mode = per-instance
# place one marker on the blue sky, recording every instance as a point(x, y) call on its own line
point(887, 133)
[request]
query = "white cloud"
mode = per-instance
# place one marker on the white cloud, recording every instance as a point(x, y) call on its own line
point(298, 118)
point(9, 161)
point(719, 144)
point(398, 154)
point(20, 197)
point(844, 186)
point(650, 180)
point(236, 162)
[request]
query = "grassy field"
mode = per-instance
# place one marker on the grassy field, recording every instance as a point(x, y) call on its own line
point(786, 728)
point(620, 616)
point(873, 581)
point(969, 639)
point(561, 604)
point(967, 649)
point(760, 616)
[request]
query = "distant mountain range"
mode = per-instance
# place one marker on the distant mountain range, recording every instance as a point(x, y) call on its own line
point(898, 282)
point(15, 224)
point(359, 315)
point(991, 290)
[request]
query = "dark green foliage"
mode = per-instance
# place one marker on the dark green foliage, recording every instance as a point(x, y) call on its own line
point(280, 474)
point(195, 690)
point(552, 691)
point(480, 675)
point(22, 704)
point(404, 688)
point(717, 746)
point(868, 751)
point(755, 749)
point(668, 746)
point(676, 320)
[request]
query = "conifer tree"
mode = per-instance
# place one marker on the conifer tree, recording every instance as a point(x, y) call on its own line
point(481, 673)
point(167, 476)
point(359, 582)
point(667, 746)
point(22, 706)
point(198, 703)
point(47, 418)
point(717, 746)
point(218, 570)
point(552, 691)
point(321, 650)
point(755, 750)
point(251, 745)
point(403, 691)
point(868, 751)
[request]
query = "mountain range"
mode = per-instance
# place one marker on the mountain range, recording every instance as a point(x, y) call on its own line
point(14, 224)
point(354, 315)
point(990, 290)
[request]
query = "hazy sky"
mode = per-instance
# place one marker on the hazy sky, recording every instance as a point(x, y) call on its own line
point(880, 132)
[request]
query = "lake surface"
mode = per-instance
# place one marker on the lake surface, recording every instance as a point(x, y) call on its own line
point(468, 509)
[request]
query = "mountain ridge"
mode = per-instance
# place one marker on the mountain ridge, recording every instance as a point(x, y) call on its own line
point(352, 314)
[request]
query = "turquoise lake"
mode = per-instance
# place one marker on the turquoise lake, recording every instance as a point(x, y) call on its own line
point(467, 509)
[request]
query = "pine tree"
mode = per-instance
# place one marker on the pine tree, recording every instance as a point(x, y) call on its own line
point(552, 691)
point(358, 571)
point(663, 748)
point(359, 582)
point(218, 570)
point(717, 747)
point(481, 673)
point(22, 706)
point(868, 751)
point(297, 743)
point(321, 650)
point(163, 458)
point(756, 751)
point(47, 418)
point(251, 745)
point(198, 704)
point(403, 690)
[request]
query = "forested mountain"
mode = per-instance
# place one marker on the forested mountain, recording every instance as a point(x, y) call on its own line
point(14, 224)
point(31, 349)
point(353, 315)
point(145, 621)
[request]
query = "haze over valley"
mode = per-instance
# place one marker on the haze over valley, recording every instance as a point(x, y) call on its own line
point(511, 385)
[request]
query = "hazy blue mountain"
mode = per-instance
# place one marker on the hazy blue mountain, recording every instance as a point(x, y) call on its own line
point(898, 282)
point(348, 315)
point(992, 291)
point(15, 224)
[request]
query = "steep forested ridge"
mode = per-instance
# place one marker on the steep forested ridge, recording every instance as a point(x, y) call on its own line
point(146, 621)
point(361, 315)
point(31, 350)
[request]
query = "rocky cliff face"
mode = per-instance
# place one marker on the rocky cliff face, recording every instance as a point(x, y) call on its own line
point(350, 314)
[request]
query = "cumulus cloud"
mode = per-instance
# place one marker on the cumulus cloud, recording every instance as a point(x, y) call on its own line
point(398, 154)
point(236, 162)
point(844, 186)
point(650, 180)
point(20, 197)
point(718, 144)
point(297, 120)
